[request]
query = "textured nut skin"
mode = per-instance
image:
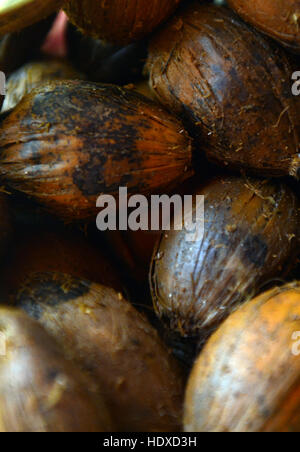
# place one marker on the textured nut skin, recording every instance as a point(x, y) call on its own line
point(16, 15)
point(279, 19)
point(251, 234)
point(119, 21)
point(232, 87)
point(68, 142)
point(107, 337)
point(247, 378)
point(40, 391)
point(29, 76)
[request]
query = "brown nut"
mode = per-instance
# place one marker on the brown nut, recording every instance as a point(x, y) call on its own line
point(247, 378)
point(107, 337)
point(29, 76)
point(251, 234)
point(40, 391)
point(279, 19)
point(143, 88)
point(18, 14)
point(231, 86)
point(119, 21)
point(67, 143)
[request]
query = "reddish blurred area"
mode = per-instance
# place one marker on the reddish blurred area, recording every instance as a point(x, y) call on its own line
point(56, 42)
